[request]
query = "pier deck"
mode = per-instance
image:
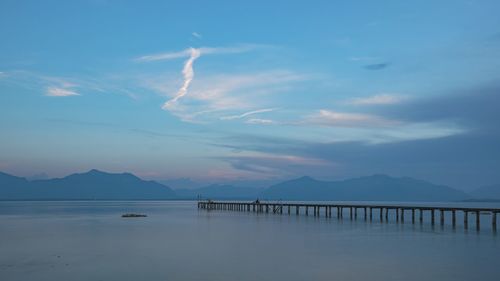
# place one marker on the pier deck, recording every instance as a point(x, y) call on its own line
point(383, 211)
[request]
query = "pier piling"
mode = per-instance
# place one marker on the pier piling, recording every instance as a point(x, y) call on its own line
point(494, 221)
point(478, 223)
point(466, 220)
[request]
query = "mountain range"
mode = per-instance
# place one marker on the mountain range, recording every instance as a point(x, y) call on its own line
point(98, 185)
point(371, 188)
point(93, 185)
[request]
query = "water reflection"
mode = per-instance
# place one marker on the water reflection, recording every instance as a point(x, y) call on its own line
point(90, 241)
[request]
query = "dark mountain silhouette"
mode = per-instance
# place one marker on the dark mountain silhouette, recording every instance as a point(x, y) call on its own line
point(9, 180)
point(487, 192)
point(12, 187)
point(216, 191)
point(371, 188)
point(125, 186)
point(86, 186)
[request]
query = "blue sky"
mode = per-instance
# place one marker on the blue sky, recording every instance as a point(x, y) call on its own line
point(262, 90)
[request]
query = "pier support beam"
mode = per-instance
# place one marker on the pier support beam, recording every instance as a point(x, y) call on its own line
point(466, 220)
point(478, 223)
point(453, 218)
point(494, 221)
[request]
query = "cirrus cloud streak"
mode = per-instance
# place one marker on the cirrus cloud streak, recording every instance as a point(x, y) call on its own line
point(60, 92)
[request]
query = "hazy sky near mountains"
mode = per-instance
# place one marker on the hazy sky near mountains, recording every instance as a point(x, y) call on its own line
point(225, 90)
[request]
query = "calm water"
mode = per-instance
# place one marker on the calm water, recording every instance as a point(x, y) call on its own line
point(90, 241)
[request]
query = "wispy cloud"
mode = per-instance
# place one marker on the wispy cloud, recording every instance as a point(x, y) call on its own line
point(217, 97)
point(203, 51)
point(196, 34)
point(60, 92)
point(188, 74)
point(59, 86)
point(165, 56)
point(249, 113)
point(274, 164)
point(382, 99)
point(259, 121)
point(341, 119)
point(211, 94)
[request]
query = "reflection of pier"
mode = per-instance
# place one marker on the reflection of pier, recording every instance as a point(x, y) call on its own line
point(382, 211)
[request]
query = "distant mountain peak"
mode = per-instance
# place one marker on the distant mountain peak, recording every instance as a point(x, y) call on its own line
point(103, 173)
point(95, 171)
point(305, 178)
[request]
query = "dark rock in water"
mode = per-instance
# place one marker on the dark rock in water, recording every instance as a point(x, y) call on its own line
point(133, 216)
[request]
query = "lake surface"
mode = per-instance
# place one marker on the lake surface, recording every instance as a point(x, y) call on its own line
point(90, 241)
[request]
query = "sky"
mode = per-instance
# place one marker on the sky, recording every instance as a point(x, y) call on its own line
point(252, 90)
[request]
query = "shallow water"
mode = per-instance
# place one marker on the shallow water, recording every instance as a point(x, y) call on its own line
point(90, 241)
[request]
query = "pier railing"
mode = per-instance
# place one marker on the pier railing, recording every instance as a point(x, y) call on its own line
point(383, 211)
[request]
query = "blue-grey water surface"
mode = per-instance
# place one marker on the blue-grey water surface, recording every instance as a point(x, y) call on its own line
point(90, 241)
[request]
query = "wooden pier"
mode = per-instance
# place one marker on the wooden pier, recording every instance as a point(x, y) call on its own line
point(332, 210)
